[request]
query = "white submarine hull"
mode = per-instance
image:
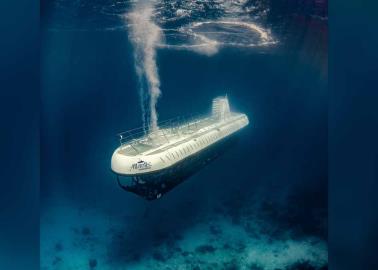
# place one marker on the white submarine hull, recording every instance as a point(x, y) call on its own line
point(158, 161)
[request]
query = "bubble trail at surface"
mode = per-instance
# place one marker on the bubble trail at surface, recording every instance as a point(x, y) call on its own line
point(207, 37)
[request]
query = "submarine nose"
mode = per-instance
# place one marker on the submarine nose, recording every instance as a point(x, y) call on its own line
point(120, 164)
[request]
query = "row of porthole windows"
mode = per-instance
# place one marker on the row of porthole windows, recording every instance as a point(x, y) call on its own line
point(186, 150)
point(176, 154)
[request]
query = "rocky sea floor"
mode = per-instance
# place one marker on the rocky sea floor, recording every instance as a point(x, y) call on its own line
point(233, 235)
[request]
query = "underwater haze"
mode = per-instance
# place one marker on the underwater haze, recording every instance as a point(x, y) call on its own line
point(109, 66)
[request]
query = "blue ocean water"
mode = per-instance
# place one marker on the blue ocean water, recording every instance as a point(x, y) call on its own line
point(262, 205)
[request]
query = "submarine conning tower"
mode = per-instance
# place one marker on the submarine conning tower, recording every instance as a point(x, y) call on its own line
point(221, 108)
point(151, 163)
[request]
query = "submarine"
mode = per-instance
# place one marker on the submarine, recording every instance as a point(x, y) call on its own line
point(151, 163)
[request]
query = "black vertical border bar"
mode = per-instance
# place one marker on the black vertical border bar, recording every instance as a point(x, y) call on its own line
point(353, 135)
point(19, 134)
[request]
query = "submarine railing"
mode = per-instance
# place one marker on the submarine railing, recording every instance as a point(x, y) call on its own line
point(173, 125)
